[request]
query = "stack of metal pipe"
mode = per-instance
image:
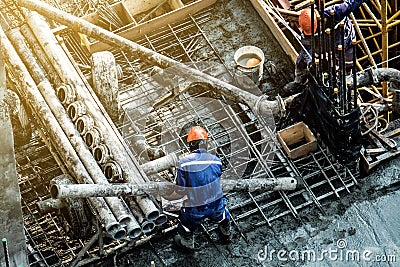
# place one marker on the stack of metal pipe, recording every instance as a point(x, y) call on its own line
point(77, 124)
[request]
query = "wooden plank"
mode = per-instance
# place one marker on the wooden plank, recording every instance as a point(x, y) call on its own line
point(94, 17)
point(264, 11)
point(175, 4)
point(156, 23)
point(367, 165)
point(139, 6)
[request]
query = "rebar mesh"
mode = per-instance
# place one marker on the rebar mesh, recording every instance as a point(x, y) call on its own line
point(246, 145)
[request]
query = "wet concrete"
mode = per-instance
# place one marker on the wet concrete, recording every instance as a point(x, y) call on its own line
point(359, 229)
point(235, 24)
point(356, 229)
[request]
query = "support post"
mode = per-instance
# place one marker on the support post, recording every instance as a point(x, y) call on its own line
point(11, 220)
point(385, 43)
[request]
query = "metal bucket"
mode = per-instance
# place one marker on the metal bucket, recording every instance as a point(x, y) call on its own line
point(249, 62)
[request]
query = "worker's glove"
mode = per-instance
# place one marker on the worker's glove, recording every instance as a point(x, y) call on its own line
point(291, 88)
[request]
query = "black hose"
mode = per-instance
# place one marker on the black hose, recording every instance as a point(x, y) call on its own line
point(343, 71)
point(333, 48)
point(6, 254)
point(355, 91)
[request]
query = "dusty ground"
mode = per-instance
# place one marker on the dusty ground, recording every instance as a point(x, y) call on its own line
point(364, 223)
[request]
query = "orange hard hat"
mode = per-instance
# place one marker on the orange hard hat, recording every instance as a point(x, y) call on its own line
point(305, 21)
point(197, 133)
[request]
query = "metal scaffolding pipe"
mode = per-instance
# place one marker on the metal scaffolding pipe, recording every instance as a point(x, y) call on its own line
point(105, 81)
point(60, 141)
point(166, 188)
point(160, 164)
point(143, 149)
point(145, 205)
point(40, 54)
point(101, 153)
point(374, 76)
point(76, 110)
point(84, 123)
point(162, 219)
point(257, 104)
point(146, 225)
point(88, 166)
point(113, 171)
point(112, 137)
point(66, 94)
point(115, 229)
point(49, 205)
point(92, 137)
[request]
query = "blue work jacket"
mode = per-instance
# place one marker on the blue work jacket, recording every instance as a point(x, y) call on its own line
point(198, 175)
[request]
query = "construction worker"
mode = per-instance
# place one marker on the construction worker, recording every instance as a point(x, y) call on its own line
point(304, 60)
point(198, 177)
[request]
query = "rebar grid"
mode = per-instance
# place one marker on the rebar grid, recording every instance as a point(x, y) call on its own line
point(80, 8)
point(323, 178)
point(260, 157)
point(49, 244)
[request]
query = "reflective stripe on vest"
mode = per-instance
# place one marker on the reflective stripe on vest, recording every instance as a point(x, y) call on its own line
point(205, 162)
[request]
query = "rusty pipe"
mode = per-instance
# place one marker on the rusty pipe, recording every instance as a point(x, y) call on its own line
point(93, 171)
point(127, 220)
point(144, 204)
point(49, 205)
point(113, 171)
point(162, 219)
point(146, 225)
point(113, 228)
point(374, 76)
point(40, 54)
point(143, 149)
point(111, 135)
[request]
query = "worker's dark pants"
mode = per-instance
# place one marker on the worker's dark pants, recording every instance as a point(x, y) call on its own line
point(192, 217)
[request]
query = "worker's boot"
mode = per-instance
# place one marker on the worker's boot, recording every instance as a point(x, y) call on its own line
point(185, 243)
point(225, 232)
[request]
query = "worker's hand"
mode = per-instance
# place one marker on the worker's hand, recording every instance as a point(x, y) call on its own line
point(173, 196)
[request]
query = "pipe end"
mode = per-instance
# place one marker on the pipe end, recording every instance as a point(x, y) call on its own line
point(134, 232)
point(153, 215)
point(161, 219)
point(54, 193)
point(116, 231)
point(148, 226)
